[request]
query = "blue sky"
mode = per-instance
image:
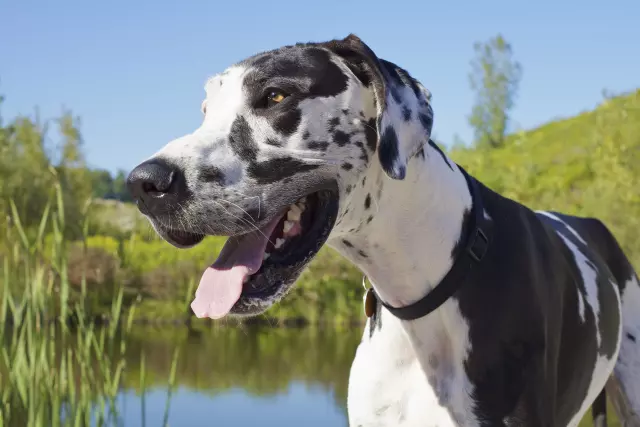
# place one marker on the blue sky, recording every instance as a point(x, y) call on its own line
point(134, 71)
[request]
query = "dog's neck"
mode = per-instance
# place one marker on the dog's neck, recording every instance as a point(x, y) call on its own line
point(403, 242)
point(405, 250)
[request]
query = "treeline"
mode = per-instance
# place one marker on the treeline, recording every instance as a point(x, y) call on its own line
point(108, 186)
point(35, 153)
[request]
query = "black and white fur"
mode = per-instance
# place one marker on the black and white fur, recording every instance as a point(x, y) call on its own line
point(549, 314)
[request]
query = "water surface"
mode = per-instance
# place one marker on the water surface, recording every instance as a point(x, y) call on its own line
point(239, 377)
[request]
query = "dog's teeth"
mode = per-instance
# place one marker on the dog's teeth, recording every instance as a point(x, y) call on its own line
point(294, 213)
point(288, 225)
point(279, 243)
point(266, 256)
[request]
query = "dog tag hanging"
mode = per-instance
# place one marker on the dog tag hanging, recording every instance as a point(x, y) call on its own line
point(370, 303)
point(370, 300)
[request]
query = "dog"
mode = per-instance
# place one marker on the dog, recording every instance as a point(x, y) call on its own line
point(482, 311)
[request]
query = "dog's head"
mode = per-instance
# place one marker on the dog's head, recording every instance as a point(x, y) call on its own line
point(286, 136)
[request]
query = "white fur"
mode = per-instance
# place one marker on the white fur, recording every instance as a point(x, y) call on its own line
point(627, 369)
point(574, 232)
point(205, 145)
point(410, 373)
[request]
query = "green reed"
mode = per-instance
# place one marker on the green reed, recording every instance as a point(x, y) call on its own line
point(57, 368)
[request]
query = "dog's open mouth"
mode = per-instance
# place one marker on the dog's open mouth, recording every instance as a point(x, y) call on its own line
point(257, 265)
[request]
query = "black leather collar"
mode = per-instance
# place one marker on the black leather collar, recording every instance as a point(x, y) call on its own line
point(478, 238)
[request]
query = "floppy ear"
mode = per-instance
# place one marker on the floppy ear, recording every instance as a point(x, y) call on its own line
point(404, 114)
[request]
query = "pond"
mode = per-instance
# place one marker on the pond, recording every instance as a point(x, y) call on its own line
point(233, 376)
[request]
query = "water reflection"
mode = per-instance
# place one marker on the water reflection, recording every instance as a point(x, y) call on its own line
point(239, 377)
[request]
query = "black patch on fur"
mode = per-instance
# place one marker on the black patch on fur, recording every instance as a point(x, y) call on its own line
point(318, 145)
point(341, 138)
point(427, 122)
point(273, 142)
point(287, 123)
point(367, 201)
point(420, 154)
point(274, 170)
point(363, 254)
point(364, 157)
point(333, 123)
point(349, 188)
point(406, 113)
point(345, 111)
point(347, 243)
point(306, 134)
point(212, 174)
point(347, 166)
point(435, 147)
point(608, 325)
point(389, 153)
point(371, 134)
point(401, 77)
point(369, 219)
point(302, 71)
point(395, 93)
point(241, 140)
point(333, 81)
point(631, 337)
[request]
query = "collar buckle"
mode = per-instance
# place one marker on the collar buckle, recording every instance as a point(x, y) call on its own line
point(478, 246)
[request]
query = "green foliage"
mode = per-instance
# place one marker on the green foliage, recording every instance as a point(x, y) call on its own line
point(586, 165)
point(494, 77)
point(26, 164)
point(106, 186)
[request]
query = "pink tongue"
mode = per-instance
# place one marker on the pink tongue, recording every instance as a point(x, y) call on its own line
point(221, 284)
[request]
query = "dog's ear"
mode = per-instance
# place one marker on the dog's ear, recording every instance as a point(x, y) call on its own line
point(404, 114)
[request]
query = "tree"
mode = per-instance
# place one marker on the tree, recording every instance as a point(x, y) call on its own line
point(494, 77)
point(27, 162)
point(102, 184)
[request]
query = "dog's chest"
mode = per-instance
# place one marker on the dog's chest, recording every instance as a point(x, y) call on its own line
point(389, 387)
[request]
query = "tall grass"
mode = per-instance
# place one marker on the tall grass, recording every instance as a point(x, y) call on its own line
point(57, 367)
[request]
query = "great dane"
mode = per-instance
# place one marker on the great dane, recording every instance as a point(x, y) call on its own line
point(482, 311)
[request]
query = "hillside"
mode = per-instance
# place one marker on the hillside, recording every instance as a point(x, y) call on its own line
point(585, 165)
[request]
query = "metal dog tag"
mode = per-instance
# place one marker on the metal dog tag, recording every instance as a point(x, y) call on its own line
point(370, 303)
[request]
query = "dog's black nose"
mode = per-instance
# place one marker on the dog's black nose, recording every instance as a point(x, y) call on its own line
point(155, 185)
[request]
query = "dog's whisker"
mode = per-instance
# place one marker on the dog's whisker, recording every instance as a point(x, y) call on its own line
point(249, 198)
point(255, 228)
point(239, 207)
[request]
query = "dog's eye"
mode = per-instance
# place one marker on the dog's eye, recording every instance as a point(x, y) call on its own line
point(275, 97)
